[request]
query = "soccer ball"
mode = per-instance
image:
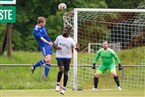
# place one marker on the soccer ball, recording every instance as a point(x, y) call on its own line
point(62, 6)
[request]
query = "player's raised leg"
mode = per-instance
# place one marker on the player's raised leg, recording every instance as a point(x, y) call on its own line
point(39, 63)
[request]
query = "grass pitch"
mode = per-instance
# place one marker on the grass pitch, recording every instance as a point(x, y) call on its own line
point(71, 93)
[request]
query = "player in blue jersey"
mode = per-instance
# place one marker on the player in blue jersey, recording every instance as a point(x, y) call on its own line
point(45, 45)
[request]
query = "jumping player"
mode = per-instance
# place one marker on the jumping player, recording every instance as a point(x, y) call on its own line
point(45, 46)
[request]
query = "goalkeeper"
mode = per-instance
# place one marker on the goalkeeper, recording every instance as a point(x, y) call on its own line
point(107, 55)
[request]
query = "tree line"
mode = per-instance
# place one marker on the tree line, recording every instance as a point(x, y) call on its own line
point(27, 12)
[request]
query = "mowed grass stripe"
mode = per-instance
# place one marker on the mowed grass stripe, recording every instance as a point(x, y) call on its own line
point(71, 93)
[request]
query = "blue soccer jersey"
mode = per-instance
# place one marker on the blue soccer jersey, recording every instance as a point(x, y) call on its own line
point(41, 32)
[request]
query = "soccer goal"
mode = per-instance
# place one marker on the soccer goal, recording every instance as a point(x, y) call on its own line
point(124, 29)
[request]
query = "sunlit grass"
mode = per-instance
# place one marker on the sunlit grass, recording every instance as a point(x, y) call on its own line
point(23, 57)
point(21, 77)
point(127, 57)
point(71, 93)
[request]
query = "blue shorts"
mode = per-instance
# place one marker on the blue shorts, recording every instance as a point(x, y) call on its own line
point(47, 50)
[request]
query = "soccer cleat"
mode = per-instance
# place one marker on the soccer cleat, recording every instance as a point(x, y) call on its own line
point(32, 69)
point(119, 89)
point(44, 78)
point(57, 88)
point(62, 91)
point(94, 89)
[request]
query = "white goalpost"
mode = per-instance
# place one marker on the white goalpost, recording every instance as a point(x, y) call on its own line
point(124, 29)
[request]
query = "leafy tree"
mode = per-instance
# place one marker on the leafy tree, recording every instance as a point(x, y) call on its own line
point(123, 3)
point(29, 10)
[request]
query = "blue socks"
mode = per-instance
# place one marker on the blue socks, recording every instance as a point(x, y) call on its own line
point(47, 69)
point(39, 63)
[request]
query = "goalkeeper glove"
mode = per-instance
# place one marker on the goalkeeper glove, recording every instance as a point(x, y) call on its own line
point(93, 66)
point(120, 67)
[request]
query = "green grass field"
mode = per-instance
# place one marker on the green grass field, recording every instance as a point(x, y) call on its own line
point(71, 93)
point(127, 57)
point(22, 78)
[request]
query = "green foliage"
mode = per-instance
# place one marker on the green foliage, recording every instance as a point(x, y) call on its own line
point(16, 40)
point(2, 32)
point(29, 10)
point(123, 3)
point(141, 5)
point(133, 56)
point(95, 27)
point(27, 14)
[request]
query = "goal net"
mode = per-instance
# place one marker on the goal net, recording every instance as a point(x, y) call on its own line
point(124, 29)
point(94, 47)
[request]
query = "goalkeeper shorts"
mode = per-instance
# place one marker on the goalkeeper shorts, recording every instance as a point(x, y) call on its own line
point(102, 68)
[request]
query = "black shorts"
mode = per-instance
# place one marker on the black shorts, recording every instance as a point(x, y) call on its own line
point(64, 62)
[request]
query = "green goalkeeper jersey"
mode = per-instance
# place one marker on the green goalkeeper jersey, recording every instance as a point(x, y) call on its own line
point(107, 56)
